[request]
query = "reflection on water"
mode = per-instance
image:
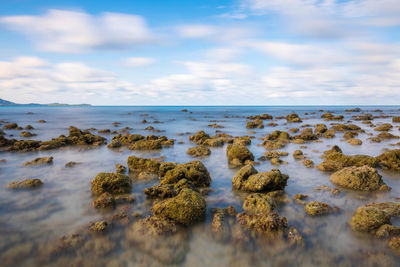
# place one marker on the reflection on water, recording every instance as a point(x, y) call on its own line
point(32, 222)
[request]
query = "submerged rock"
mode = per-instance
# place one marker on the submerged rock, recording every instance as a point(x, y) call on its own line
point(335, 161)
point(114, 183)
point(120, 168)
point(315, 208)
point(105, 200)
point(249, 179)
point(98, 227)
point(256, 203)
point(266, 224)
point(186, 208)
point(200, 151)
point(390, 160)
point(238, 155)
point(29, 183)
point(39, 161)
point(71, 164)
point(359, 178)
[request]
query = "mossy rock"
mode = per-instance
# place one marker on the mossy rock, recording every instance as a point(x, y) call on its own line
point(257, 123)
point(390, 160)
point(384, 127)
point(354, 142)
point(258, 203)
point(369, 219)
point(238, 155)
point(161, 191)
point(193, 171)
point(11, 126)
point(359, 178)
point(39, 161)
point(214, 142)
point(113, 183)
point(316, 208)
point(136, 164)
point(199, 151)
point(26, 134)
point(242, 140)
point(266, 224)
point(26, 184)
point(146, 145)
point(24, 145)
point(307, 135)
point(250, 180)
point(335, 161)
point(199, 138)
point(186, 208)
point(293, 118)
point(104, 201)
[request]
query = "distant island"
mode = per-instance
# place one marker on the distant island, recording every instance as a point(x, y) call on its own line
point(9, 103)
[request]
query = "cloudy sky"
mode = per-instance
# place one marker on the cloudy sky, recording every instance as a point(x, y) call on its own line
point(200, 52)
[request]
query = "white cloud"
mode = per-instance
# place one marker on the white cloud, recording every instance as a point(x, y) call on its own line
point(138, 61)
point(73, 31)
point(214, 33)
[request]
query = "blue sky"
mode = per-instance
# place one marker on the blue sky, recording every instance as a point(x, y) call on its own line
point(243, 52)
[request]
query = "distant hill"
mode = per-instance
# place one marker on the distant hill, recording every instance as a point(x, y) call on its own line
point(5, 102)
point(9, 103)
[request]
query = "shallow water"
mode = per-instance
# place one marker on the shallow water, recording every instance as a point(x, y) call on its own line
point(32, 219)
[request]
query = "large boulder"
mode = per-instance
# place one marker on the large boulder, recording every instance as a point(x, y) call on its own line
point(113, 183)
point(238, 155)
point(359, 178)
point(186, 208)
point(193, 171)
point(335, 161)
point(250, 180)
point(390, 160)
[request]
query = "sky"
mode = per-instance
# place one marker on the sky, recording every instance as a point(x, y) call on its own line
point(200, 52)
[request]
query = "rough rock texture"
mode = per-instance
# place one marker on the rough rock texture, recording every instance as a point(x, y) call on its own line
point(39, 161)
point(199, 137)
point(146, 145)
point(269, 225)
point(29, 183)
point(258, 203)
point(335, 161)
point(276, 140)
point(293, 118)
point(199, 151)
point(186, 208)
point(355, 142)
point(257, 123)
point(238, 155)
point(105, 200)
point(369, 219)
point(113, 183)
point(136, 164)
point(193, 171)
point(316, 208)
point(359, 178)
point(249, 179)
point(390, 160)
point(384, 127)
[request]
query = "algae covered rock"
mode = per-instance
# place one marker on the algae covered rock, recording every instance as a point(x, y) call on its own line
point(113, 183)
point(335, 161)
point(258, 203)
point(136, 164)
point(250, 180)
point(267, 224)
point(359, 178)
point(354, 141)
point(193, 171)
point(293, 118)
point(105, 200)
point(238, 155)
point(369, 219)
point(316, 208)
point(186, 208)
point(146, 145)
point(257, 123)
point(39, 161)
point(199, 138)
point(199, 151)
point(390, 160)
point(26, 134)
point(25, 184)
point(384, 127)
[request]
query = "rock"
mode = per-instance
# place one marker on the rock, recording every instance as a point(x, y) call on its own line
point(394, 244)
point(334, 191)
point(114, 183)
point(120, 168)
point(346, 127)
point(396, 119)
point(293, 118)
point(39, 161)
point(249, 179)
point(193, 171)
point(316, 208)
point(268, 225)
point(307, 135)
point(335, 161)
point(105, 200)
point(350, 135)
point(242, 140)
point(161, 191)
point(276, 140)
point(214, 142)
point(356, 142)
point(256, 203)
point(255, 124)
point(146, 145)
point(390, 160)
point(199, 137)
point(26, 134)
point(359, 178)
point(186, 208)
point(320, 129)
point(138, 165)
point(71, 164)
point(11, 126)
point(384, 127)
point(98, 227)
point(298, 154)
point(41, 121)
point(387, 230)
point(238, 155)
point(335, 148)
point(25, 184)
point(260, 117)
point(386, 135)
point(329, 133)
point(29, 127)
point(308, 163)
point(369, 219)
point(220, 226)
point(300, 198)
point(200, 151)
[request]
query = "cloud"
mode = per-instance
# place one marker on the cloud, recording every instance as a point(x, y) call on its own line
point(214, 33)
point(138, 61)
point(73, 31)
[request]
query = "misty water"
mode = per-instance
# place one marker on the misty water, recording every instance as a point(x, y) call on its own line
point(33, 221)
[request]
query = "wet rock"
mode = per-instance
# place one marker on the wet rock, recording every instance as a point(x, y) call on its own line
point(276, 140)
point(359, 178)
point(335, 161)
point(200, 151)
point(384, 127)
point(39, 161)
point(71, 164)
point(125, 140)
point(390, 160)
point(214, 142)
point(369, 219)
point(396, 119)
point(120, 168)
point(146, 145)
point(320, 129)
point(25, 184)
point(386, 135)
point(345, 127)
point(316, 208)
point(41, 121)
point(300, 198)
point(261, 117)
point(394, 244)
point(98, 227)
point(255, 124)
point(104, 201)
point(186, 208)
point(193, 171)
point(298, 154)
point(328, 116)
point(29, 127)
point(138, 165)
point(249, 179)
point(355, 142)
point(220, 226)
point(256, 203)
point(114, 183)
point(293, 118)
point(307, 135)
point(268, 225)
point(387, 230)
point(199, 137)
point(161, 191)
point(242, 140)
point(11, 126)
point(22, 145)
point(334, 191)
point(350, 135)
point(26, 134)
point(238, 155)
point(308, 163)
point(329, 133)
